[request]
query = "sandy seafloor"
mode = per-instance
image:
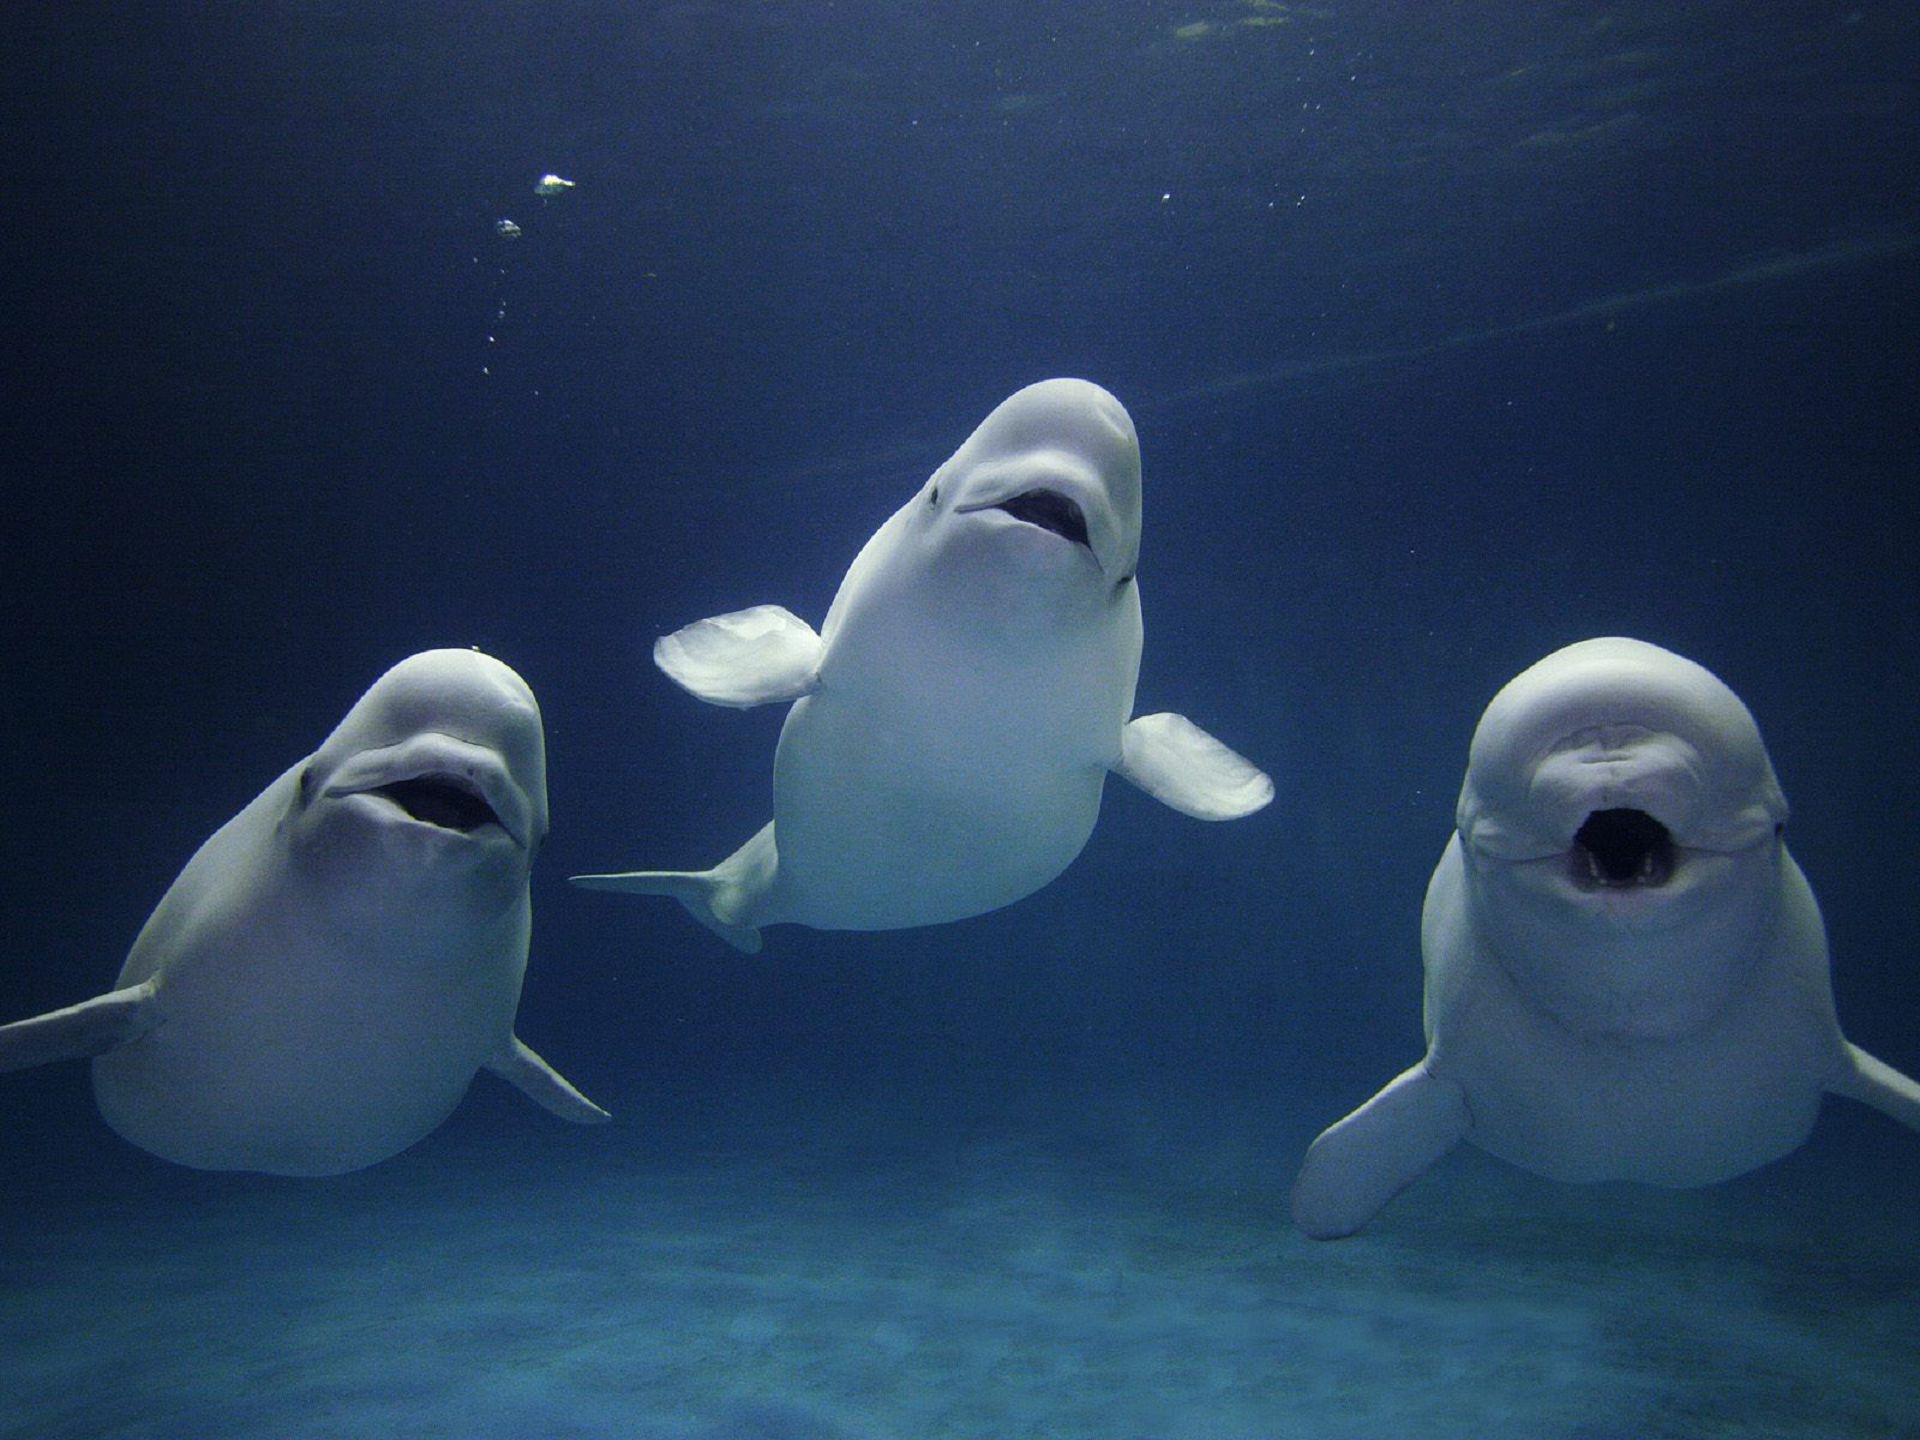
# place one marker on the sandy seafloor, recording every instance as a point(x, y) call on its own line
point(509, 1279)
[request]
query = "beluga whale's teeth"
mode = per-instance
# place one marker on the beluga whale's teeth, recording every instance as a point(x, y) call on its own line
point(1620, 850)
point(1050, 510)
point(441, 800)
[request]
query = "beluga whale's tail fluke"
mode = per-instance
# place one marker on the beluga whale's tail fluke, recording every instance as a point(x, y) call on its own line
point(717, 898)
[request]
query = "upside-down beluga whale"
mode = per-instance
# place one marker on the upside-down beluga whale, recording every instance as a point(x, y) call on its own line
point(1626, 971)
point(957, 715)
point(322, 981)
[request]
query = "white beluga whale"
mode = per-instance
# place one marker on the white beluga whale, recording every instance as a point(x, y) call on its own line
point(322, 981)
point(957, 715)
point(1626, 971)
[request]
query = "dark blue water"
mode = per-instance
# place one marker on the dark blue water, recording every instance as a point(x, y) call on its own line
point(1453, 334)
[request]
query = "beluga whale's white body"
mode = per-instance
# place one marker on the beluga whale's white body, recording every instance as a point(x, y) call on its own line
point(957, 715)
point(1626, 972)
point(318, 987)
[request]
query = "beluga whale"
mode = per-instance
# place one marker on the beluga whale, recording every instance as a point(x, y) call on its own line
point(322, 981)
point(1626, 972)
point(955, 718)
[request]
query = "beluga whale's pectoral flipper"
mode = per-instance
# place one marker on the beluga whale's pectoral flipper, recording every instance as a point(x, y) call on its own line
point(79, 1032)
point(1876, 1083)
point(1181, 765)
point(520, 1067)
point(955, 719)
point(744, 658)
point(1358, 1165)
point(717, 898)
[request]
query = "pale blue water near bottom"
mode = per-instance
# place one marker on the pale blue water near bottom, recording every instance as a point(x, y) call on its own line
point(815, 1281)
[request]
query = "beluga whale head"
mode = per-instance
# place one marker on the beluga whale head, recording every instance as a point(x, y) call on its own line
point(1048, 488)
point(440, 766)
point(1621, 824)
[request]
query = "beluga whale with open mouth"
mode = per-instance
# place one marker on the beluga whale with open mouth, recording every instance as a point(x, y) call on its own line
point(1626, 971)
point(320, 984)
point(955, 718)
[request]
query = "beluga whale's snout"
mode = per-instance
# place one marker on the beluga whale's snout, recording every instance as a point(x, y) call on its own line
point(452, 740)
point(448, 802)
point(1060, 456)
point(1050, 510)
point(440, 781)
point(1621, 849)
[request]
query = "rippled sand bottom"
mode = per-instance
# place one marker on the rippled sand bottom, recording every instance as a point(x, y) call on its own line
point(512, 1279)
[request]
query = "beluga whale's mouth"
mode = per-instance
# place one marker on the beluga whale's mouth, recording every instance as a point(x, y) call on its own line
point(442, 800)
point(1050, 510)
point(1622, 850)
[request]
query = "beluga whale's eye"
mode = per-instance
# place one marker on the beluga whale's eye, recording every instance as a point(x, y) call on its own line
point(441, 800)
point(1050, 510)
point(1622, 849)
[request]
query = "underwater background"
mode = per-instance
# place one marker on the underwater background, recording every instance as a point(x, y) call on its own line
point(1453, 333)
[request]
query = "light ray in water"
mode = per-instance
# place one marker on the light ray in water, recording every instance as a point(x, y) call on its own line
point(879, 463)
point(1856, 251)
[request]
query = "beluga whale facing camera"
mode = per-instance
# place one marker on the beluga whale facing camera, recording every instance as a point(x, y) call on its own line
point(955, 719)
point(1626, 972)
point(318, 987)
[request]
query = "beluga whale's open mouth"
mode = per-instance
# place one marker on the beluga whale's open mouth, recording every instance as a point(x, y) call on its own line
point(442, 800)
point(1622, 850)
point(1050, 510)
